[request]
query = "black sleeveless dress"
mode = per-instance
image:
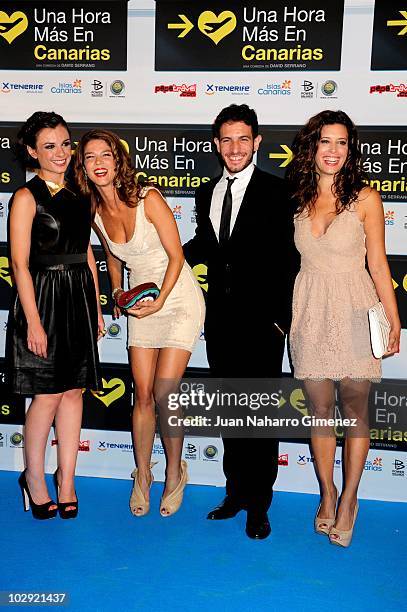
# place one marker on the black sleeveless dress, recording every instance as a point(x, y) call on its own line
point(65, 297)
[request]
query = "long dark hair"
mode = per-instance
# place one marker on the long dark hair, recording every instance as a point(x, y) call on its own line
point(302, 175)
point(27, 135)
point(127, 186)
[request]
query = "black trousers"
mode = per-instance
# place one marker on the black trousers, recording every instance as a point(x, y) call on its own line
point(250, 464)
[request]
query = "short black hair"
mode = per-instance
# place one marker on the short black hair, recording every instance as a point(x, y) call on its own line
point(27, 135)
point(236, 112)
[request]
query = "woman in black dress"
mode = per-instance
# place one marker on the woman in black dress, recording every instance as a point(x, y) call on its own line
point(56, 318)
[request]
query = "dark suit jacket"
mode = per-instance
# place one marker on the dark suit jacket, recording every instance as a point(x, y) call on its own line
point(251, 279)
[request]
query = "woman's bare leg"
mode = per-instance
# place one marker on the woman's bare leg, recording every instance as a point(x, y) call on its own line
point(39, 418)
point(322, 398)
point(143, 366)
point(68, 421)
point(171, 366)
point(354, 398)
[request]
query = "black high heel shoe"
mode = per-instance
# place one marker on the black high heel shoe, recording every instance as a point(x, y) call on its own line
point(39, 511)
point(73, 506)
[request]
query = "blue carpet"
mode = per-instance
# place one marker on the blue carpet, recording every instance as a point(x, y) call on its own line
point(107, 559)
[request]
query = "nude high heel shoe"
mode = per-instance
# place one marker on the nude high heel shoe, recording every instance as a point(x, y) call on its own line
point(172, 502)
point(139, 506)
point(323, 525)
point(342, 537)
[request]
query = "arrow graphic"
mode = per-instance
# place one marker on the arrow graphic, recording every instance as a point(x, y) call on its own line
point(400, 22)
point(186, 26)
point(287, 156)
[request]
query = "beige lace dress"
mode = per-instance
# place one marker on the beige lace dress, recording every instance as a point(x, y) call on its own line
point(179, 323)
point(333, 291)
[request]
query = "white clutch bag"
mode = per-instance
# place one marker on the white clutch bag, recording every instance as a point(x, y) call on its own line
point(379, 330)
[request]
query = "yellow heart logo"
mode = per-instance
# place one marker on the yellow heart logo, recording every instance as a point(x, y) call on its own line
point(5, 270)
point(13, 26)
point(117, 390)
point(218, 27)
point(201, 272)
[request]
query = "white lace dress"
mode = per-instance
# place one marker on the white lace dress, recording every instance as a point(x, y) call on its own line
point(333, 291)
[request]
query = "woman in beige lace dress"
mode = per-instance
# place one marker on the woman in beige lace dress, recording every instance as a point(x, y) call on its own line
point(339, 221)
point(138, 230)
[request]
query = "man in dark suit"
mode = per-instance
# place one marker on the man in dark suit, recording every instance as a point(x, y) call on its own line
point(245, 236)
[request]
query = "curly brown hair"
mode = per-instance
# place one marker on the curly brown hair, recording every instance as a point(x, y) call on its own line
point(126, 184)
point(302, 175)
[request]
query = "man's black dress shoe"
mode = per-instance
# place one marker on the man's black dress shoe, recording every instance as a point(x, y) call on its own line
point(227, 509)
point(258, 526)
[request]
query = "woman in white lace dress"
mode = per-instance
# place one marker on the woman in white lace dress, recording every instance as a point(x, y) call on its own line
point(138, 230)
point(339, 221)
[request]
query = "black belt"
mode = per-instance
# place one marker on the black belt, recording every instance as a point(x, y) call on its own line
point(59, 260)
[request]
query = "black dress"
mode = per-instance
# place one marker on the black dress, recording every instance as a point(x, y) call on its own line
point(65, 297)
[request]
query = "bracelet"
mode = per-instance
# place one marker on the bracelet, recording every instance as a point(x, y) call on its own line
point(115, 290)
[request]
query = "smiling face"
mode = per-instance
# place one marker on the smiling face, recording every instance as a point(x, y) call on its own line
point(236, 145)
point(53, 152)
point(99, 163)
point(332, 150)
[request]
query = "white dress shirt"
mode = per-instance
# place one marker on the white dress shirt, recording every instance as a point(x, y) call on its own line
point(238, 191)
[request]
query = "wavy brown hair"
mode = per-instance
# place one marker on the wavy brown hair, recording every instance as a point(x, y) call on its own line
point(302, 175)
point(125, 182)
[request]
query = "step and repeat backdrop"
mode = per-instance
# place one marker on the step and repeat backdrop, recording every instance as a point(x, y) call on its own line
point(158, 73)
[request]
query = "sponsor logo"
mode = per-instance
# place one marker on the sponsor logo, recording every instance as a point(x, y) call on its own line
point(276, 89)
point(234, 90)
point(68, 88)
point(17, 440)
point(191, 451)
point(26, 87)
point(210, 452)
point(84, 445)
point(2, 440)
point(193, 215)
point(399, 467)
point(400, 90)
point(308, 89)
point(202, 336)
point(158, 448)
point(374, 466)
point(117, 88)
point(114, 330)
point(283, 459)
point(12, 26)
point(184, 91)
point(304, 460)
point(120, 446)
point(98, 89)
point(329, 88)
point(177, 212)
point(389, 217)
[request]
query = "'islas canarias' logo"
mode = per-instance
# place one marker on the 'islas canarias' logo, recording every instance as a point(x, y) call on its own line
point(12, 26)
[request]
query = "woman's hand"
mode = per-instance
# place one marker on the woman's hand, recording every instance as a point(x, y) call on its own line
point(145, 308)
point(117, 312)
point(101, 326)
point(394, 340)
point(37, 340)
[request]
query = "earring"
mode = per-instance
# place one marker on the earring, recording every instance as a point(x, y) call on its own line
point(117, 183)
